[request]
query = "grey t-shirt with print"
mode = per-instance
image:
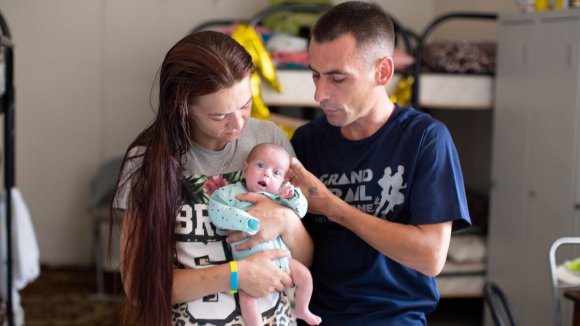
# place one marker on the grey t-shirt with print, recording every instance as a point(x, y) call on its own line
point(199, 243)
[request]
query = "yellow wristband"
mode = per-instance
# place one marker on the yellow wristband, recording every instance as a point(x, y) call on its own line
point(233, 276)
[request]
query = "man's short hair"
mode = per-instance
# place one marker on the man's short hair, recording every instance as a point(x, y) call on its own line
point(366, 22)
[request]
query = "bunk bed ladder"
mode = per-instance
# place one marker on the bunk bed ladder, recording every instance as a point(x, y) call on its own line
point(7, 108)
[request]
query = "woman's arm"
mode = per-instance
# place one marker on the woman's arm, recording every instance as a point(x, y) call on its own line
point(257, 275)
point(276, 220)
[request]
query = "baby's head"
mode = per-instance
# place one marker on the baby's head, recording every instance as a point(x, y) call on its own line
point(265, 167)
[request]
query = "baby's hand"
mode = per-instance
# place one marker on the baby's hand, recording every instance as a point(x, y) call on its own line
point(286, 190)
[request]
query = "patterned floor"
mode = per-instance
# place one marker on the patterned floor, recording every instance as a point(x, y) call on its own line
point(67, 296)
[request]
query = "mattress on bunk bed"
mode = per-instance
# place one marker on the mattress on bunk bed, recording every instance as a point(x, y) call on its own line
point(456, 91)
point(464, 271)
point(457, 74)
point(438, 90)
point(298, 89)
point(461, 280)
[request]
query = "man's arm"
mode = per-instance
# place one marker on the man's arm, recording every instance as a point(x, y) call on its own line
point(257, 275)
point(421, 247)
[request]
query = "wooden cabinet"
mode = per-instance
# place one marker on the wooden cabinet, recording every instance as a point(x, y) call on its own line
point(535, 195)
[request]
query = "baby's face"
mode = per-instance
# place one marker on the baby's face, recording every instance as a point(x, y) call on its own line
point(265, 171)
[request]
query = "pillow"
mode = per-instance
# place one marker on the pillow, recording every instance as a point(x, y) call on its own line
point(467, 248)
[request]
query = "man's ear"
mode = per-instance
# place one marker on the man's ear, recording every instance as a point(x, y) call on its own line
point(385, 70)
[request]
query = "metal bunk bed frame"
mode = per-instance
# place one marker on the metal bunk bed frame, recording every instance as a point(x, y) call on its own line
point(423, 39)
point(405, 35)
point(7, 108)
point(261, 15)
point(402, 34)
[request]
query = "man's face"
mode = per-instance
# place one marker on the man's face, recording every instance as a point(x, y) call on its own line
point(343, 82)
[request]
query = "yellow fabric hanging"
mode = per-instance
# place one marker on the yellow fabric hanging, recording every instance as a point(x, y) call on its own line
point(247, 36)
point(402, 95)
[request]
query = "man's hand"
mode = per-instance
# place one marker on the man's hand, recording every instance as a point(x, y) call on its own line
point(318, 196)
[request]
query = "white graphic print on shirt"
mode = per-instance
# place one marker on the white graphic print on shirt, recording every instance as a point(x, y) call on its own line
point(391, 185)
point(352, 188)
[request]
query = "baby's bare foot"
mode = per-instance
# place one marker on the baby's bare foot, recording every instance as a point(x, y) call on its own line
point(308, 317)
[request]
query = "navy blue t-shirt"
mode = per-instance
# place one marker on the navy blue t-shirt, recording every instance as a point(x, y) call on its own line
point(407, 172)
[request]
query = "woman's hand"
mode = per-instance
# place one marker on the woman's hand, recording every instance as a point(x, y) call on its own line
point(259, 276)
point(275, 220)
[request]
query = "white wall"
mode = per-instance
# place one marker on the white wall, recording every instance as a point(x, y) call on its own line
point(84, 71)
point(58, 126)
point(482, 30)
point(83, 75)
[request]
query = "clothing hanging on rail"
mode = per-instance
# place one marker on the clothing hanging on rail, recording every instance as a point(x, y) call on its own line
point(25, 252)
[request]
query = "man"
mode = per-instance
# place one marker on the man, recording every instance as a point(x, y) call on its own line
point(385, 189)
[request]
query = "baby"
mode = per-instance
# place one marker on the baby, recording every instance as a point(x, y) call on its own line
point(264, 171)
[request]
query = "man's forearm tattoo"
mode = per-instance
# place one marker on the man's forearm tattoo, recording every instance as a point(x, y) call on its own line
point(312, 192)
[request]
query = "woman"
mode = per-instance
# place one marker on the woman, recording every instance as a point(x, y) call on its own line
point(174, 262)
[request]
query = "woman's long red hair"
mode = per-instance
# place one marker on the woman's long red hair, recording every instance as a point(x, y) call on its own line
point(199, 64)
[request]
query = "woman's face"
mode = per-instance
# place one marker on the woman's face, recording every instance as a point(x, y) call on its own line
point(218, 118)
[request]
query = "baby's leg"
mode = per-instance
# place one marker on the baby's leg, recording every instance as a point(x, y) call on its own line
point(250, 311)
point(303, 281)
